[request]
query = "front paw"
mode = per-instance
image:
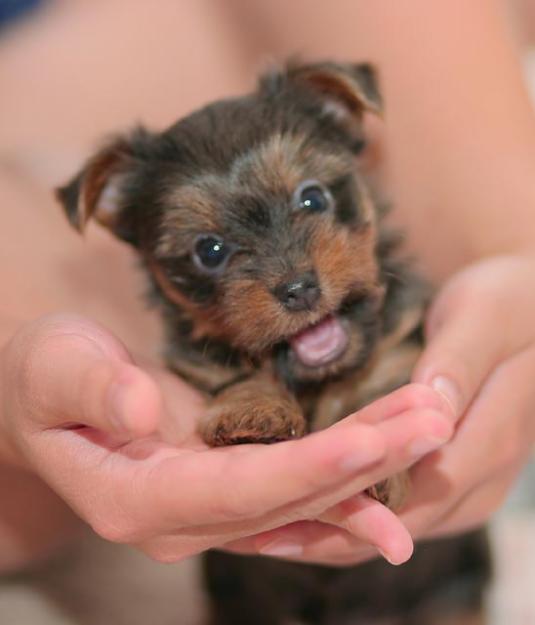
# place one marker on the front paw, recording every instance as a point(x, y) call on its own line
point(259, 421)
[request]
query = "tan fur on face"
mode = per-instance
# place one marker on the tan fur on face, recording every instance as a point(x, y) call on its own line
point(344, 261)
point(277, 165)
point(255, 319)
point(195, 213)
point(247, 314)
point(203, 319)
point(285, 160)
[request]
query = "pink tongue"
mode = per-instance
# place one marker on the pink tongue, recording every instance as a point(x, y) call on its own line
point(321, 343)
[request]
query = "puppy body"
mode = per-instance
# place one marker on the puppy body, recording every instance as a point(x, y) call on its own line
point(283, 294)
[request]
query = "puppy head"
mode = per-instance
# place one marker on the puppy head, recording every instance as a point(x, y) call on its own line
point(250, 216)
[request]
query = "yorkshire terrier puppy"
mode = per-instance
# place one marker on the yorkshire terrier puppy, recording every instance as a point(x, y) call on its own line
point(286, 300)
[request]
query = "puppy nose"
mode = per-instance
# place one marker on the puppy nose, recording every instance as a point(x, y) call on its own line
point(300, 294)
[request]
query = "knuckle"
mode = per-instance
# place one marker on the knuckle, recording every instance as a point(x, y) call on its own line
point(97, 376)
point(350, 525)
point(309, 483)
point(418, 395)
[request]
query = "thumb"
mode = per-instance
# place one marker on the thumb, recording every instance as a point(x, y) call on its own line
point(65, 371)
point(468, 334)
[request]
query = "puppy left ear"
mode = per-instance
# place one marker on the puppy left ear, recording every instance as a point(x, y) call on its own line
point(99, 190)
point(353, 87)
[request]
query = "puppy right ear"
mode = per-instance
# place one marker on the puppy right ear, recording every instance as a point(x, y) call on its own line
point(99, 190)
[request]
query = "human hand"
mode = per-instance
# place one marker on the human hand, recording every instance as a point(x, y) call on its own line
point(480, 356)
point(118, 443)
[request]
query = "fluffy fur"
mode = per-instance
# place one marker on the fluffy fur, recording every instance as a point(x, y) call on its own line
point(285, 299)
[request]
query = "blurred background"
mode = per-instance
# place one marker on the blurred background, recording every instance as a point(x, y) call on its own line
point(72, 71)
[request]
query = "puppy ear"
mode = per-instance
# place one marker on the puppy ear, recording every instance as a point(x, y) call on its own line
point(99, 190)
point(352, 88)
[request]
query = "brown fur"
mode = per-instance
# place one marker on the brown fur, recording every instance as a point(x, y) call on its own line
point(204, 320)
point(240, 260)
point(255, 411)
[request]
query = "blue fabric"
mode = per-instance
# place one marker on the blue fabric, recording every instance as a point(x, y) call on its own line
point(12, 9)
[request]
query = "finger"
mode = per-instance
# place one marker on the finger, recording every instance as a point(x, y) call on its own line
point(71, 372)
point(307, 541)
point(364, 521)
point(237, 483)
point(494, 436)
point(265, 482)
point(476, 507)
point(408, 397)
point(371, 522)
point(473, 510)
point(469, 333)
point(408, 437)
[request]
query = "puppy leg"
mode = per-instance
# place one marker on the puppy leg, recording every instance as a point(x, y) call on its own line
point(255, 411)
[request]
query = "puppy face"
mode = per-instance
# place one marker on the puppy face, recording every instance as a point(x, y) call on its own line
point(251, 218)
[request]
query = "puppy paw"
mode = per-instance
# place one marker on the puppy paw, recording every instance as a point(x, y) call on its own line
point(392, 492)
point(261, 421)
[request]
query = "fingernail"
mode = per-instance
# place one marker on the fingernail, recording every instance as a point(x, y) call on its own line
point(450, 391)
point(423, 446)
point(387, 557)
point(116, 406)
point(282, 549)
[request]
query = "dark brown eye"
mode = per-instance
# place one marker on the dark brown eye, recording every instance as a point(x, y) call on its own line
point(210, 253)
point(313, 197)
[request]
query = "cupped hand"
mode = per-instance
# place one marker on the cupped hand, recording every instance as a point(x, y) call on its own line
point(117, 441)
point(480, 356)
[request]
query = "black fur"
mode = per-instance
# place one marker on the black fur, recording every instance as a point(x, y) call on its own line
point(232, 169)
point(443, 578)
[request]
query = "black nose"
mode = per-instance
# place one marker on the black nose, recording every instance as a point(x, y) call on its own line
point(300, 294)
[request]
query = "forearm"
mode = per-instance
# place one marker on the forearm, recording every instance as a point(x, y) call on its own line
point(460, 128)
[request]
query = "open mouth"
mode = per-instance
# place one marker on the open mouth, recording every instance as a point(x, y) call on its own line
point(321, 343)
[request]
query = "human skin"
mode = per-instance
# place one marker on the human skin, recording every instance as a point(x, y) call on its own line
point(118, 442)
point(438, 190)
point(460, 137)
point(56, 372)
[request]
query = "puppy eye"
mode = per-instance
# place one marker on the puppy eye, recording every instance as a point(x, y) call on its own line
point(210, 253)
point(312, 196)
